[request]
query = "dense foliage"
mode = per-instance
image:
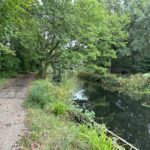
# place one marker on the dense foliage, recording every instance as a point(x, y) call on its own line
point(137, 53)
point(136, 86)
point(68, 35)
point(60, 34)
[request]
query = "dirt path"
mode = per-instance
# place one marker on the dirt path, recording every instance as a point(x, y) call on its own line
point(12, 114)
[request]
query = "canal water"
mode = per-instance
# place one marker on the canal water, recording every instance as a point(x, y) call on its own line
point(121, 114)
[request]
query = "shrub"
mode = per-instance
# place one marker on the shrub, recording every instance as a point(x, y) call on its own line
point(98, 141)
point(136, 86)
point(44, 92)
point(8, 74)
point(41, 93)
point(59, 108)
point(79, 113)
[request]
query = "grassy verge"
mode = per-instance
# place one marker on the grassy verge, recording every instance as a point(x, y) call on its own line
point(52, 124)
point(3, 81)
point(5, 76)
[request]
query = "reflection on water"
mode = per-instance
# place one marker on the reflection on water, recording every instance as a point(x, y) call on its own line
point(80, 95)
point(123, 116)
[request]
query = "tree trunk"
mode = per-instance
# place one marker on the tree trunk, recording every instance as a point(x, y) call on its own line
point(43, 69)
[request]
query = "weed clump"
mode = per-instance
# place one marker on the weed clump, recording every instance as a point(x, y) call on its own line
point(40, 93)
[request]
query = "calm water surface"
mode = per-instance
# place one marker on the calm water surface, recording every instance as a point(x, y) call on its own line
point(122, 115)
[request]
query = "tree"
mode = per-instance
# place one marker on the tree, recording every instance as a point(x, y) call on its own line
point(101, 32)
point(15, 16)
point(62, 34)
point(139, 32)
point(137, 44)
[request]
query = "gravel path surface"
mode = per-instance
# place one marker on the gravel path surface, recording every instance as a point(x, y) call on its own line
point(12, 114)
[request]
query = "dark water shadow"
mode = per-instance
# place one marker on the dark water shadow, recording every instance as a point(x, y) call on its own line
point(121, 114)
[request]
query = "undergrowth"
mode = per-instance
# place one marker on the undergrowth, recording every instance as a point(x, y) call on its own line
point(4, 76)
point(2, 81)
point(136, 86)
point(8, 74)
point(51, 121)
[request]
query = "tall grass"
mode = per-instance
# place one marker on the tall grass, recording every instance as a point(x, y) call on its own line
point(50, 122)
point(95, 141)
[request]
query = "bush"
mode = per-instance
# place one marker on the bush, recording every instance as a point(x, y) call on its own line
point(8, 74)
point(79, 113)
point(41, 93)
point(44, 92)
point(136, 86)
point(58, 108)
